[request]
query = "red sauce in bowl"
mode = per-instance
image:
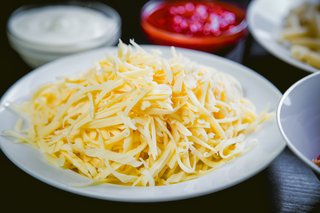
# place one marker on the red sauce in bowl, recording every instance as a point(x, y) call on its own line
point(194, 18)
point(203, 25)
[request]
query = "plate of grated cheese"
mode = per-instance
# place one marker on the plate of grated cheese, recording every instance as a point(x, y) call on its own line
point(274, 24)
point(141, 123)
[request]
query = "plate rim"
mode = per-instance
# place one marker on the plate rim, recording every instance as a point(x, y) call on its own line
point(75, 190)
point(289, 60)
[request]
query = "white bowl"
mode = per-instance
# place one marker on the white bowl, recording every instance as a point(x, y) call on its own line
point(299, 119)
point(36, 53)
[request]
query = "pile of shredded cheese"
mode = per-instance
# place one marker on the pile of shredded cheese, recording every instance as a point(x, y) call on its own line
point(139, 119)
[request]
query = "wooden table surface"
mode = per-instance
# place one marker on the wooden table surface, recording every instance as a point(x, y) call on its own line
point(286, 185)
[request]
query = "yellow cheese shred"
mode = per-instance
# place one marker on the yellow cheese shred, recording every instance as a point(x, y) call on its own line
point(140, 119)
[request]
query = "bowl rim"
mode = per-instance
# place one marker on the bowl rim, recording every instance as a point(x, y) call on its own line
point(284, 135)
point(153, 5)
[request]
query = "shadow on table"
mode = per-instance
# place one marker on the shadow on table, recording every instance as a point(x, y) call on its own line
point(316, 208)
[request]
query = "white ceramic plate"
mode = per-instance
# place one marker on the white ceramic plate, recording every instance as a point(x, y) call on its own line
point(265, 18)
point(257, 89)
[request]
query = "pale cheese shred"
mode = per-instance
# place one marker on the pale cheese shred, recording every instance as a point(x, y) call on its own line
point(139, 119)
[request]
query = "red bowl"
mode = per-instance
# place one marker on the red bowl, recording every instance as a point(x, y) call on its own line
point(208, 43)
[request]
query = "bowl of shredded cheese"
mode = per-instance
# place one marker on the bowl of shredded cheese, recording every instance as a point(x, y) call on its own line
point(288, 29)
point(137, 119)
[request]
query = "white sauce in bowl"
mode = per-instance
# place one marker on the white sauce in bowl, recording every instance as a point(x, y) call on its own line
point(60, 25)
point(44, 33)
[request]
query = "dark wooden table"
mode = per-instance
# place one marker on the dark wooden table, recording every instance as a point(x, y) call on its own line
point(286, 185)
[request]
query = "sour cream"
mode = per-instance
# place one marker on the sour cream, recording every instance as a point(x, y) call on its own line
point(60, 25)
point(63, 29)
